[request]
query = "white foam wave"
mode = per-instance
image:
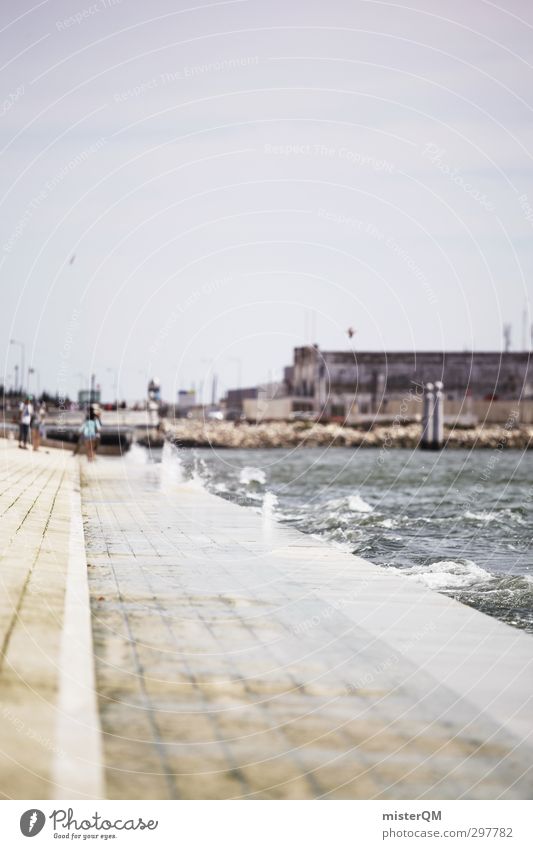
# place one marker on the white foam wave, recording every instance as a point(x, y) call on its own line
point(352, 503)
point(171, 467)
point(137, 455)
point(199, 475)
point(270, 502)
point(447, 574)
point(358, 505)
point(250, 475)
point(505, 515)
point(481, 517)
point(387, 523)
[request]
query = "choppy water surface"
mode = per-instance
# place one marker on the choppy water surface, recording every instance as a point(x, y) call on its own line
point(460, 522)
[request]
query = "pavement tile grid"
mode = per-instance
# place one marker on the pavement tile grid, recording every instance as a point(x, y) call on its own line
point(222, 673)
point(34, 532)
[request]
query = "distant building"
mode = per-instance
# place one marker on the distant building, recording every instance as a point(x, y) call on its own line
point(338, 381)
point(272, 390)
point(235, 398)
point(350, 385)
point(186, 400)
point(276, 400)
point(88, 396)
point(283, 408)
point(288, 378)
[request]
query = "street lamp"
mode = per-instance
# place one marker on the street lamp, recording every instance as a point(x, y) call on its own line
point(210, 362)
point(84, 380)
point(22, 353)
point(114, 372)
point(32, 370)
point(238, 362)
point(214, 378)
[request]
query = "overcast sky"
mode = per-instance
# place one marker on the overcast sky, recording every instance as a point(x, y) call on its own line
point(191, 183)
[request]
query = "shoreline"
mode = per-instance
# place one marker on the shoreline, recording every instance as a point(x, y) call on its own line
point(184, 589)
point(186, 433)
point(272, 629)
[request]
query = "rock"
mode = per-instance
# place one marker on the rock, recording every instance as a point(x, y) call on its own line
point(196, 434)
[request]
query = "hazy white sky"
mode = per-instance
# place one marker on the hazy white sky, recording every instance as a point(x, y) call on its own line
point(235, 178)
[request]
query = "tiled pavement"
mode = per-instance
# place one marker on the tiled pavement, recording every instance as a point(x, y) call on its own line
point(237, 658)
point(35, 513)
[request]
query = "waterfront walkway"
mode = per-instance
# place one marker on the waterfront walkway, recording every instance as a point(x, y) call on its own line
point(236, 658)
point(49, 730)
point(239, 658)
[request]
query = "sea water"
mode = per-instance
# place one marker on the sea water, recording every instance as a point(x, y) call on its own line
point(459, 522)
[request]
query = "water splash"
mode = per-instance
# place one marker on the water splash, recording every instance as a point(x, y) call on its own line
point(270, 502)
point(172, 473)
point(201, 474)
point(358, 505)
point(250, 476)
point(447, 574)
point(137, 455)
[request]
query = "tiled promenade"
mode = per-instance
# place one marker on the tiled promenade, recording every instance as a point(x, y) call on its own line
point(234, 657)
point(240, 659)
point(36, 513)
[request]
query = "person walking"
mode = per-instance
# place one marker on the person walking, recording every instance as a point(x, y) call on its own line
point(89, 433)
point(38, 431)
point(96, 414)
point(26, 413)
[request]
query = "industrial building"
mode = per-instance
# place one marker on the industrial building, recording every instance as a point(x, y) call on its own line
point(352, 385)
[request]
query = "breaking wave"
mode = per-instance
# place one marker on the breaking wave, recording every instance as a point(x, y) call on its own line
point(447, 574)
point(250, 476)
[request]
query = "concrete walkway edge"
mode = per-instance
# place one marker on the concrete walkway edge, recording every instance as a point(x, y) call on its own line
point(77, 768)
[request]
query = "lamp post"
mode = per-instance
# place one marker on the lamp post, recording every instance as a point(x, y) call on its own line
point(238, 363)
point(22, 355)
point(438, 416)
point(209, 373)
point(84, 381)
point(427, 416)
point(114, 372)
point(32, 370)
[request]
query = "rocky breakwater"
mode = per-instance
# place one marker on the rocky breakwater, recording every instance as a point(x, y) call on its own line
point(187, 433)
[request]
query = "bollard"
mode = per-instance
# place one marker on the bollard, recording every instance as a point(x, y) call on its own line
point(438, 416)
point(427, 417)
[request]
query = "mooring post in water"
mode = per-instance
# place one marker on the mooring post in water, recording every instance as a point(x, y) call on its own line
point(438, 416)
point(427, 417)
